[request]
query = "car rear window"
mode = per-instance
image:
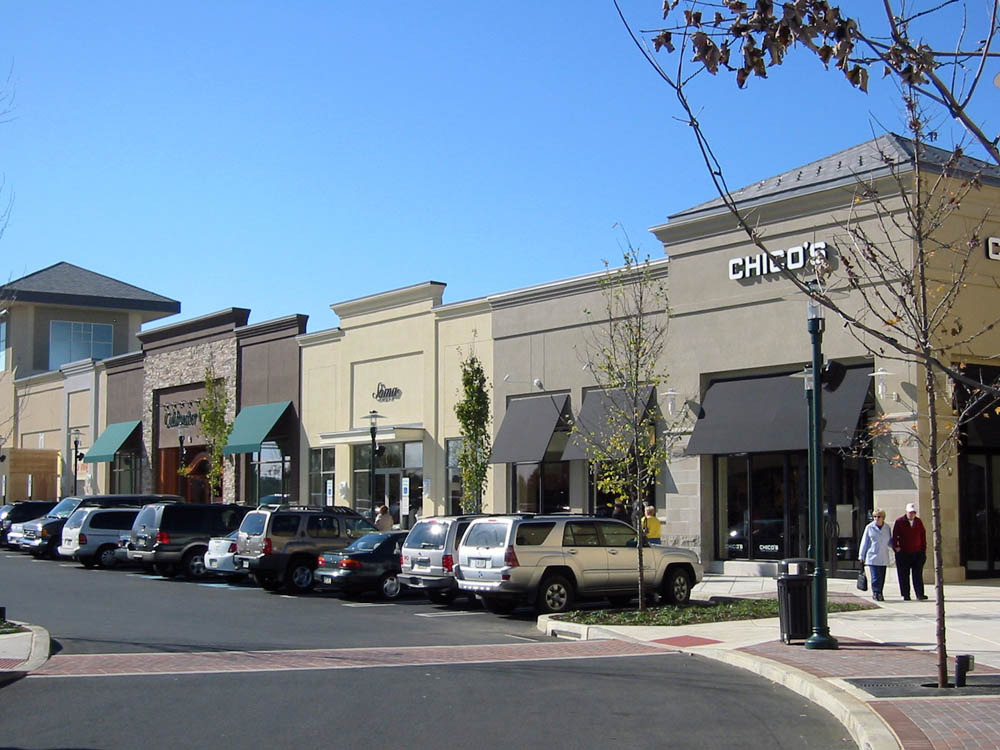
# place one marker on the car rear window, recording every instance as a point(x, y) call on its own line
point(146, 517)
point(427, 535)
point(486, 534)
point(254, 523)
point(533, 534)
point(323, 527)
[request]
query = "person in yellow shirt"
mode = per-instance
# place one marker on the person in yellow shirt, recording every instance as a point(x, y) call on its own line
point(651, 525)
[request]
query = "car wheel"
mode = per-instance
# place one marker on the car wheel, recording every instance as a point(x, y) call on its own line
point(106, 557)
point(499, 605)
point(555, 595)
point(441, 596)
point(622, 600)
point(269, 583)
point(52, 550)
point(88, 562)
point(677, 586)
point(300, 577)
point(194, 564)
point(389, 587)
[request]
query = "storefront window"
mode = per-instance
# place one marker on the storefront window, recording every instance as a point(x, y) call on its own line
point(268, 477)
point(125, 473)
point(395, 462)
point(453, 480)
point(602, 503)
point(322, 478)
point(541, 487)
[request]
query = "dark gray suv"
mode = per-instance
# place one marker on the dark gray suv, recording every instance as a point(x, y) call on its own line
point(173, 537)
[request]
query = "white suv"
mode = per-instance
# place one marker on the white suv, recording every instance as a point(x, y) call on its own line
point(550, 561)
point(91, 535)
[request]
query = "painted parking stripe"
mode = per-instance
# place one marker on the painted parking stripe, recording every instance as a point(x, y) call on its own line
point(448, 614)
point(364, 604)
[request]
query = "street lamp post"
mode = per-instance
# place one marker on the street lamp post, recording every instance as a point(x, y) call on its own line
point(821, 638)
point(76, 457)
point(373, 416)
point(180, 464)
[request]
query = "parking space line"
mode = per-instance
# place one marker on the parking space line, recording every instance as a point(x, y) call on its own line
point(448, 614)
point(363, 604)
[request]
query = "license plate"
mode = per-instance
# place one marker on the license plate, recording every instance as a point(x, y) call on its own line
point(424, 562)
point(213, 563)
point(480, 562)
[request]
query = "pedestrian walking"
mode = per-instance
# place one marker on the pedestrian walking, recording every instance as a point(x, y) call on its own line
point(619, 512)
point(651, 525)
point(876, 542)
point(383, 521)
point(909, 540)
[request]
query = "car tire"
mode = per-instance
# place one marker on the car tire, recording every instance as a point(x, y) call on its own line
point(300, 579)
point(88, 562)
point(389, 587)
point(441, 596)
point(498, 605)
point(555, 595)
point(677, 586)
point(106, 557)
point(269, 583)
point(51, 550)
point(193, 564)
point(620, 601)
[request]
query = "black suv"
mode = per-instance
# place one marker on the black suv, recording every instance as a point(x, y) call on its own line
point(173, 537)
point(42, 537)
point(26, 510)
point(280, 544)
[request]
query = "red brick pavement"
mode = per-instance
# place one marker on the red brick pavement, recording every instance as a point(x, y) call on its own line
point(81, 665)
point(933, 723)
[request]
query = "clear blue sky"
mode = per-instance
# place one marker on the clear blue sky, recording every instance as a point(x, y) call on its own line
point(283, 156)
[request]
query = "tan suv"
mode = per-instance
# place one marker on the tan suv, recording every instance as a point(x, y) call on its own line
point(280, 544)
point(550, 561)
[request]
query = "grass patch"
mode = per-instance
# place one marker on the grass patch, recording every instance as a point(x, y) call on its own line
point(717, 610)
point(7, 628)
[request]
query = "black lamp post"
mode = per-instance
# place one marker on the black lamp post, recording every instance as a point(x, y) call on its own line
point(821, 638)
point(76, 457)
point(373, 416)
point(180, 464)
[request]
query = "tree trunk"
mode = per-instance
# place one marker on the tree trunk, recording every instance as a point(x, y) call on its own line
point(933, 468)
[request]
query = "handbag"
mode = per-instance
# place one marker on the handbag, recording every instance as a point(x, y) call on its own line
point(862, 581)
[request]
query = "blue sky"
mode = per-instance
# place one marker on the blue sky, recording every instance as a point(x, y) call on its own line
point(286, 156)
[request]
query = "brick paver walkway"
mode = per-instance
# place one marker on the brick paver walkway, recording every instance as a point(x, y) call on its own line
point(932, 723)
point(92, 665)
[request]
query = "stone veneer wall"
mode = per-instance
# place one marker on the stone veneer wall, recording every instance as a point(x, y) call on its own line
point(183, 367)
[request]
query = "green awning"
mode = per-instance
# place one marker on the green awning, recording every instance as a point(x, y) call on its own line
point(252, 426)
point(110, 442)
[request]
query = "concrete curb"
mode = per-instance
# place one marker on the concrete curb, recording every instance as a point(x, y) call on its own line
point(38, 654)
point(865, 726)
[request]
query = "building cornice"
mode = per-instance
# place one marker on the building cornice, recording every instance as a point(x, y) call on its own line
point(426, 291)
point(296, 322)
point(463, 309)
point(195, 328)
point(320, 337)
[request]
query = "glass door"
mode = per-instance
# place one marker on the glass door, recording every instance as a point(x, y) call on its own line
point(980, 513)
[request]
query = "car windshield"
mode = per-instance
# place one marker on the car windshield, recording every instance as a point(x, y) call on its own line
point(427, 535)
point(65, 507)
point(357, 527)
point(367, 542)
point(76, 520)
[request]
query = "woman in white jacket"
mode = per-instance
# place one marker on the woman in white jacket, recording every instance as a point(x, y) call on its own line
point(876, 542)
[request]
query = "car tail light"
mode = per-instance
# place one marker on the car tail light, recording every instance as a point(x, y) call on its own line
point(448, 563)
point(232, 548)
point(510, 557)
point(267, 546)
point(320, 562)
point(349, 563)
point(83, 539)
point(162, 537)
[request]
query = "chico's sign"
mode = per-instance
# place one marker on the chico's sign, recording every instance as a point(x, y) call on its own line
point(766, 264)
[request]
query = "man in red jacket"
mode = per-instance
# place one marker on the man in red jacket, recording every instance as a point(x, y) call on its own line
point(909, 539)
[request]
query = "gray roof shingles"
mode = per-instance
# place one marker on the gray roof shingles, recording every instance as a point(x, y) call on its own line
point(64, 283)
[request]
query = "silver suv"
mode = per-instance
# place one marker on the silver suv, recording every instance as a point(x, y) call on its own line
point(550, 561)
point(428, 556)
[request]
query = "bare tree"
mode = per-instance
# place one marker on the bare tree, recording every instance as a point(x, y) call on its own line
point(902, 259)
point(629, 449)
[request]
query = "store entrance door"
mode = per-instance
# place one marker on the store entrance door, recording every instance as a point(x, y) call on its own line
point(980, 514)
point(387, 491)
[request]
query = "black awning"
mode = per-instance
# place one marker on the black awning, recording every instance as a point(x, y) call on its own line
point(758, 415)
point(600, 415)
point(527, 428)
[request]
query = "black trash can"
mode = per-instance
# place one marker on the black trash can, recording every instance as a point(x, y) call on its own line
point(795, 598)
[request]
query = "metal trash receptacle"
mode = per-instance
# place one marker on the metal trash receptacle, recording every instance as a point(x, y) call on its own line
point(795, 584)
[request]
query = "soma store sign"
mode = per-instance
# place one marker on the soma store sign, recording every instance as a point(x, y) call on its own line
point(387, 393)
point(769, 264)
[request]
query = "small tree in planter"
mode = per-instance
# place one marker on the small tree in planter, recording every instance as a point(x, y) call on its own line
point(212, 413)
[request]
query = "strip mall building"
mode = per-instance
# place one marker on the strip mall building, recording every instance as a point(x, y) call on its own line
point(735, 488)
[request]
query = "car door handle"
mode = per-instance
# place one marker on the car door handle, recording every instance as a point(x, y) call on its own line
point(571, 551)
point(612, 552)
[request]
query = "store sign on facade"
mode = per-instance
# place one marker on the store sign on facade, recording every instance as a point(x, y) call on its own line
point(768, 264)
point(387, 393)
point(180, 414)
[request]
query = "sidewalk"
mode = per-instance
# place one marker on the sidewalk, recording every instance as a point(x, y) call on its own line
point(873, 682)
point(21, 653)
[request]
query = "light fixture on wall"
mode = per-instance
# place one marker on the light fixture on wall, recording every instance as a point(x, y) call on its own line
point(671, 402)
point(880, 375)
point(537, 382)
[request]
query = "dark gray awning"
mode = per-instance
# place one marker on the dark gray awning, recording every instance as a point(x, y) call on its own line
point(527, 428)
point(600, 415)
point(757, 415)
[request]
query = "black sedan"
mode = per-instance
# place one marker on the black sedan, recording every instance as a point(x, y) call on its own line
point(369, 564)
